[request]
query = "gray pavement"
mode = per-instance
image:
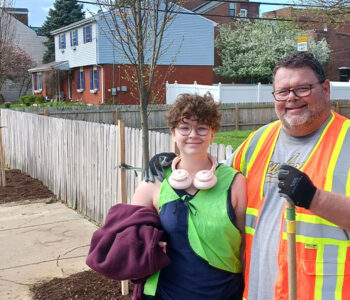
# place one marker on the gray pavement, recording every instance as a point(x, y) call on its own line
point(38, 242)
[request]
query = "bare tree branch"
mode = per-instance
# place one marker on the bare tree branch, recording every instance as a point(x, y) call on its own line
point(138, 28)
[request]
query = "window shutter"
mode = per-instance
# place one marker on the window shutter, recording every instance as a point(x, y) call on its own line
point(78, 80)
point(90, 33)
point(91, 80)
point(83, 80)
point(84, 34)
point(40, 81)
point(34, 77)
point(71, 38)
point(97, 80)
point(64, 40)
point(59, 42)
point(76, 36)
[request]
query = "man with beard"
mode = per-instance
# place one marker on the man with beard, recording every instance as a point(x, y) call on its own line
point(304, 157)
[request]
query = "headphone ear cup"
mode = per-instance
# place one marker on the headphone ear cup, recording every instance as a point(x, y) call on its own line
point(180, 179)
point(205, 180)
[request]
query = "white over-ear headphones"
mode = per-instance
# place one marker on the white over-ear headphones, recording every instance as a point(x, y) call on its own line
point(180, 179)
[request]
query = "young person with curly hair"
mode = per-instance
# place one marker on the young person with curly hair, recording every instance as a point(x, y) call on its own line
point(201, 206)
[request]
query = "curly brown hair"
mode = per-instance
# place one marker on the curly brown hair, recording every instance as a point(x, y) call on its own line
point(203, 108)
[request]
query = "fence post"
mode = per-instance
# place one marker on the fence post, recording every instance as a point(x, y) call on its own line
point(236, 117)
point(122, 183)
point(331, 92)
point(259, 91)
point(167, 96)
point(219, 91)
point(116, 116)
point(2, 160)
point(337, 107)
point(174, 148)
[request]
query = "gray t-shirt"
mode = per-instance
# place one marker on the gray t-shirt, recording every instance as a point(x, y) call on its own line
point(263, 268)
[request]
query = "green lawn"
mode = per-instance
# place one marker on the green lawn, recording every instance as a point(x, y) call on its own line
point(233, 138)
point(48, 104)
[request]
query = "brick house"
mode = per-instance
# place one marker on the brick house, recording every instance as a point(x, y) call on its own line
point(91, 70)
point(337, 36)
point(223, 13)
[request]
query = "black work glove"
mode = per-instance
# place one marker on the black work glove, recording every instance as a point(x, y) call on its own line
point(295, 186)
point(156, 166)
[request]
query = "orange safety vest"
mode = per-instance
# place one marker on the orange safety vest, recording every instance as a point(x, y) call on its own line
point(323, 248)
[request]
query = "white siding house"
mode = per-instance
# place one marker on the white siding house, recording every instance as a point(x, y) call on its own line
point(78, 50)
point(27, 39)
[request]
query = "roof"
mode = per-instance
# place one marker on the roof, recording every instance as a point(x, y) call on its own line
point(93, 19)
point(55, 65)
point(15, 10)
point(205, 7)
point(73, 25)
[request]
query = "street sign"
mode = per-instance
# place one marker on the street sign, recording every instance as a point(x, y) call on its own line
point(302, 43)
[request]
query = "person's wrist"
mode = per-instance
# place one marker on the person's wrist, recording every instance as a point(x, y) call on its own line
point(313, 202)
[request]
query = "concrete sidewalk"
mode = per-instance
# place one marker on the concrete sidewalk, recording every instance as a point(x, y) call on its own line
point(39, 242)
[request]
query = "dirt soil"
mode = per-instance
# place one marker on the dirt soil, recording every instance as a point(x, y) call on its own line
point(87, 285)
point(20, 187)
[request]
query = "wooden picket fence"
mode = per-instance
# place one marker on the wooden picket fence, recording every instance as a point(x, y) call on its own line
point(78, 161)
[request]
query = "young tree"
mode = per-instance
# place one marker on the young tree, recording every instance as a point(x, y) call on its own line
point(19, 64)
point(65, 12)
point(7, 32)
point(138, 28)
point(250, 51)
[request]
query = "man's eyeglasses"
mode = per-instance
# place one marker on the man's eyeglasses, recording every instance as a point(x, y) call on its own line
point(299, 91)
point(185, 129)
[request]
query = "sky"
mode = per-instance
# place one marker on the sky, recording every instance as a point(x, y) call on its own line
point(39, 9)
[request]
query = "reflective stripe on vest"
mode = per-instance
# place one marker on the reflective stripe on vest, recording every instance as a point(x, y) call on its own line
point(323, 255)
point(254, 170)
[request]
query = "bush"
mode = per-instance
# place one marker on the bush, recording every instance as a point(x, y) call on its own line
point(23, 99)
point(40, 99)
point(31, 99)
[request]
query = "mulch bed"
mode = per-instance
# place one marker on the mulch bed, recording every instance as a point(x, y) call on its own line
point(22, 187)
point(87, 285)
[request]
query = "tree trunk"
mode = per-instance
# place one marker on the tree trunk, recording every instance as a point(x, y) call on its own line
point(144, 128)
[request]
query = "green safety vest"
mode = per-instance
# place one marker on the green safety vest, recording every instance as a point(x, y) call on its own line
point(218, 245)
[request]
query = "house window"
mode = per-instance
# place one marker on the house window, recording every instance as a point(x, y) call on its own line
point(38, 82)
point(87, 33)
point(80, 81)
point(74, 37)
point(94, 80)
point(232, 9)
point(62, 41)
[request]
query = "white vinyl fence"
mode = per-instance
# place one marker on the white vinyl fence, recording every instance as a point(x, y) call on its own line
point(78, 160)
point(244, 93)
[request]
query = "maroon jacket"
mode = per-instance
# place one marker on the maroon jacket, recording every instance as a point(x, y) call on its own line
point(126, 246)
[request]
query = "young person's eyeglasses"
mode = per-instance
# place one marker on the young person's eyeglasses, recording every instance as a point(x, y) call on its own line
point(299, 91)
point(185, 129)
